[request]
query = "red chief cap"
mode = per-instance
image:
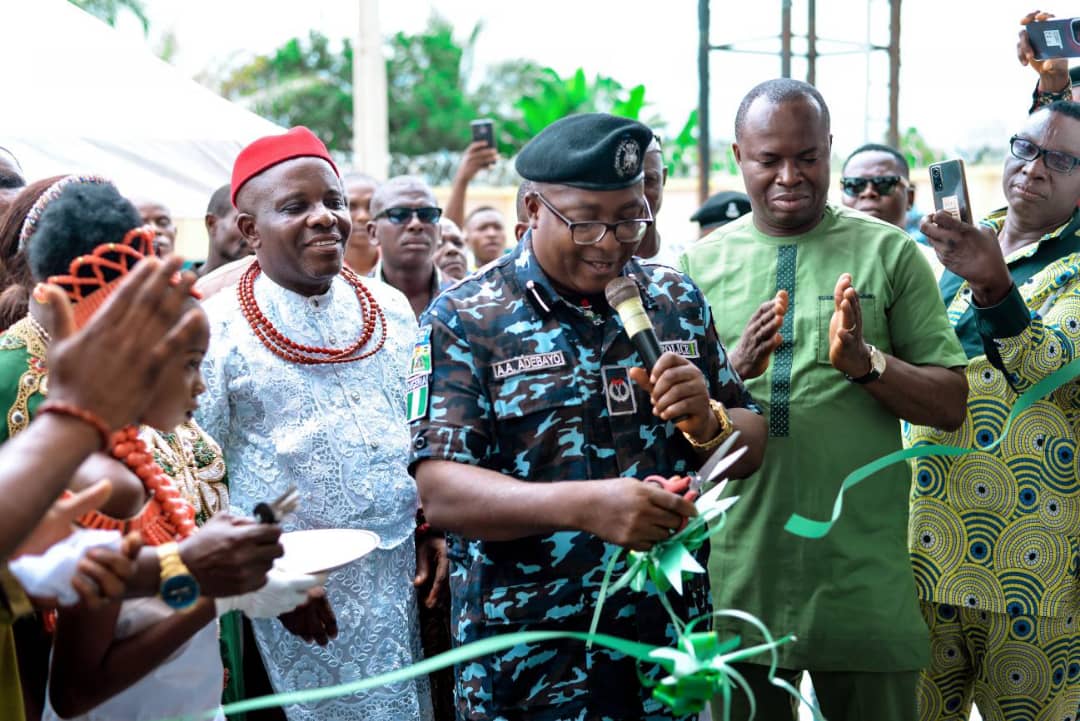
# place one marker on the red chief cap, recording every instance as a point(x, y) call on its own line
point(268, 151)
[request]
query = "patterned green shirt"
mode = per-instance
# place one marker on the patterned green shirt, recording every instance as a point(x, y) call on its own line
point(1000, 530)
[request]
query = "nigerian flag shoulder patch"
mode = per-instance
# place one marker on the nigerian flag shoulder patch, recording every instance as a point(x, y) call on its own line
point(416, 396)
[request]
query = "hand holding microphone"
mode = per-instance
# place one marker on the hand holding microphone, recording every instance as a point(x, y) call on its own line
point(676, 387)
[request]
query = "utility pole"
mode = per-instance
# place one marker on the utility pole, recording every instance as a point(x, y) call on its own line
point(371, 143)
point(894, 73)
point(704, 161)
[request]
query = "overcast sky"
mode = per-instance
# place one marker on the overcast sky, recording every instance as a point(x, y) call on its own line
point(961, 85)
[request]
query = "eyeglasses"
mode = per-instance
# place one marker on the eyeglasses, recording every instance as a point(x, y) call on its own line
point(591, 232)
point(883, 184)
point(1024, 149)
point(401, 216)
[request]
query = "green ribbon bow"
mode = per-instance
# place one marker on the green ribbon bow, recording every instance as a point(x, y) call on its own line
point(665, 563)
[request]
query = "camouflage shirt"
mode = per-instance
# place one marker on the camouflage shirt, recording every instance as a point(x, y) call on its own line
point(509, 376)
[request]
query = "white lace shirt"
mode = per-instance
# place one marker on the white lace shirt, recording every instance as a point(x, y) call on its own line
point(339, 433)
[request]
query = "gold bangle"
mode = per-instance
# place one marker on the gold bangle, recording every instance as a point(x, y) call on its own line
point(725, 429)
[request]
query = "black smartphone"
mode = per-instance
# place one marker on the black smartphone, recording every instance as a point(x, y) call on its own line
point(483, 130)
point(949, 187)
point(1055, 38)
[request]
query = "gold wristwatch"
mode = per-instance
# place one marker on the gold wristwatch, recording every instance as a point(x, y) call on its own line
point(725, 429)
point(179, 589)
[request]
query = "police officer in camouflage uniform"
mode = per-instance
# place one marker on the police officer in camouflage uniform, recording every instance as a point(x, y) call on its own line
point(532, 422)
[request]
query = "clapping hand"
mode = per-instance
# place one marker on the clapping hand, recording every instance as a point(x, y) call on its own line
point(848, 352)
point(761, 337)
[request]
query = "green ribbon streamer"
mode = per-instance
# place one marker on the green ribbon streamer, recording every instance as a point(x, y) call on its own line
point(810, 528)
point(698, 668)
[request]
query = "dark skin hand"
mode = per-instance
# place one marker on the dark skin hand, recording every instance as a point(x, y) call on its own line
point(973, 253)
point(475, 158)
point(228, 553)
point(228, 556)
point(923, 394)
point(1053, 72)
point(480, 503)
point(432, 570)
point(101, 575)
point(58, 522)
point(313, 621)
point(677, 388)
point(108, 368)
point(761, 337)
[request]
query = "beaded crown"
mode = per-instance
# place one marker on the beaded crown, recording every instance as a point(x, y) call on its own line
point(92, 278)
point(51, 193)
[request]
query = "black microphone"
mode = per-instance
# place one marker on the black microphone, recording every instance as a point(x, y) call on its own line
point(622, 295)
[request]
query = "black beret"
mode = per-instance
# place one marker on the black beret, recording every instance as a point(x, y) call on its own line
point(593, 151)
point(721, 208)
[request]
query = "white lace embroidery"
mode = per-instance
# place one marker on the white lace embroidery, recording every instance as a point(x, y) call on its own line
point(339, 433)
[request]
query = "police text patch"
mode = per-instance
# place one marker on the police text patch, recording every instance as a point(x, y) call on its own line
point(685, 348)
point(527, 363)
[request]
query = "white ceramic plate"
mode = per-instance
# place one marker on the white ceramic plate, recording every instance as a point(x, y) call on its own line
point(324, 549)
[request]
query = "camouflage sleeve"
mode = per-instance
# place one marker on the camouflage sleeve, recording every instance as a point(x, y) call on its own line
point(448, 406)
point(725, 385)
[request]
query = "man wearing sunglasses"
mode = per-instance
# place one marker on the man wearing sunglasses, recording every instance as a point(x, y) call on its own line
point(405, 225)
point(875, 181)
point(534, 422)
point(995, 536)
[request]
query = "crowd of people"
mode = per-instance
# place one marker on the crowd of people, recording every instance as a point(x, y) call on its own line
point(480, 406)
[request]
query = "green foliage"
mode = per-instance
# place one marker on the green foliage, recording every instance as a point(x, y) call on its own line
point(304, 82)
point(428, 107)
point(680, 151)
point(555, 97)
point(109, 10)
point(918, 152)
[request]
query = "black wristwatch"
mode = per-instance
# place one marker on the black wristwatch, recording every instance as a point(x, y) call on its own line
point(877, 367)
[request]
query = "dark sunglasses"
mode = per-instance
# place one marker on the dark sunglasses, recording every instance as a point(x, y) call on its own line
point(401, 216)
point(883, 184)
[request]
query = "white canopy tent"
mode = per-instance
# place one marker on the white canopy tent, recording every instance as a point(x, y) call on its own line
point(81, 97)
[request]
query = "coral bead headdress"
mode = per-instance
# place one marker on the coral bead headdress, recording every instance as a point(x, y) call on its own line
point(93, 278)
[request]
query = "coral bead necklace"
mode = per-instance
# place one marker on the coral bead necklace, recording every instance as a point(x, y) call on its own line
point(276, 342)
point(166, 516)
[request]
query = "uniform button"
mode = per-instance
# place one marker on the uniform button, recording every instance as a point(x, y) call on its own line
point(419, 442)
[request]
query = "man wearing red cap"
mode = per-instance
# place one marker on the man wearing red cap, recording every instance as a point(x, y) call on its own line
point(306, 386)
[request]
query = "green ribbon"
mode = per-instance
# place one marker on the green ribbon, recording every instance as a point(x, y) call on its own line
point(699, 667)
point(810, 528)
point(665, 563)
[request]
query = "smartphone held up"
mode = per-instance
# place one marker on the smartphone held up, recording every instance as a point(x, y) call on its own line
point(1055, 38)
point(948, 184)
point(483, 130)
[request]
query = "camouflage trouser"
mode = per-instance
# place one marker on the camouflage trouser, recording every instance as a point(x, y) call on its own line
point(1012, 667)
